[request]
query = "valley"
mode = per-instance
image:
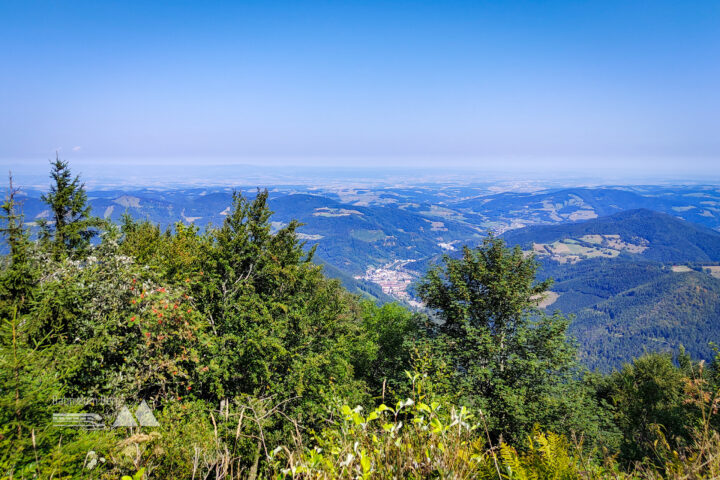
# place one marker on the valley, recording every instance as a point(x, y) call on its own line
point(394, 279)
point(612, 251)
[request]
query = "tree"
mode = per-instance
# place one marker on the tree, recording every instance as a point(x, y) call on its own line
point(28, 383)
point(18, 275)
point(72, 225)
point(391, 331)
point(649, 401)
point(510, 359)
point(278, 327)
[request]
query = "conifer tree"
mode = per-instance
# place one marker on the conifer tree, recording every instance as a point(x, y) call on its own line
point(29, 383)
point(72, 227)
point(27, 378)
point(18, 276)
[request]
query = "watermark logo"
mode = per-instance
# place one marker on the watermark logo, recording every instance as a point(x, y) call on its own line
point(89, 421)
point(143, 416)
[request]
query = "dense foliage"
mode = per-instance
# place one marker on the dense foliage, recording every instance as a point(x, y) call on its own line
point(507, 357)
point(258, 366)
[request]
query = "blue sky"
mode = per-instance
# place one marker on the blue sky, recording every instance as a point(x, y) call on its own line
point(550, 85)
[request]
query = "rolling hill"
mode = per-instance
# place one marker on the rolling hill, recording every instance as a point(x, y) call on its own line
point(666, 238)
point(661, 315)
point(507, 210)
point(356, 228)
point(637, 297)
point(567, 204)
point(352, 237)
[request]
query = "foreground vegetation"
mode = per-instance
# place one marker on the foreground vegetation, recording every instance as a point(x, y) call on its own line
point(258, 366)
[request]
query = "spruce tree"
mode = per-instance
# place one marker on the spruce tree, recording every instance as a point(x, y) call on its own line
point(29, 382)
point(72, 226)
point(18, 275)
point(27, 378)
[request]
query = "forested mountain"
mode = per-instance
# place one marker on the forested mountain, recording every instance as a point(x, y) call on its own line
point(588, 282)
point(700, 205)
point(625, 280)
point(565, 204)
point(667, 238)
point(352, 237)
point(360, 227)
point(356, 229)
point(670, 311)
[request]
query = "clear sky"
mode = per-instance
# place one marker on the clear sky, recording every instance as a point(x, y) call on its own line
point(543, 84)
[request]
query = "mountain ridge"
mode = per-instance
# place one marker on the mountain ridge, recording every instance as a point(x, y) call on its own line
point(670, 238)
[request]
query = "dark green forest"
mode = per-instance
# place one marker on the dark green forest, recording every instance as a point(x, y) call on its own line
point(256, 365)
point(660, 299)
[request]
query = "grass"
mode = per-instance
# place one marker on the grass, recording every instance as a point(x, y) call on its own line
point(548, 298)
point(367, 235)
point(681, 268)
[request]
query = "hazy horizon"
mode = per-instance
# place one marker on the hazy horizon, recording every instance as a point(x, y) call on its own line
point(135, 173)
point(621, 87)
